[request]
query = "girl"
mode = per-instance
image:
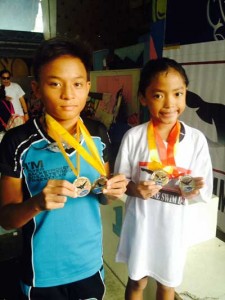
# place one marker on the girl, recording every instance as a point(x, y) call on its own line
point(164, 161)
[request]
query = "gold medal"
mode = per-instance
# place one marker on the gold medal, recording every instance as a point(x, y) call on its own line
point(83, 186)
point(160, 177)
point(99, 185)
point(186, 183)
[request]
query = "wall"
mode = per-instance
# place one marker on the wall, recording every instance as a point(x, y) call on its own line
point(200, 47)
point(204, 64)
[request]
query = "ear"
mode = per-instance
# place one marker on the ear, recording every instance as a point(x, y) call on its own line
point(36, 89)
point(142, 100)
point(89, 86)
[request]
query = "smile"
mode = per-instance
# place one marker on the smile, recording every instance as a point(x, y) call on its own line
point(168, 114)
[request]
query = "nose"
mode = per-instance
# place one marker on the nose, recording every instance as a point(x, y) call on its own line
point(169, 101)
point(68, 92)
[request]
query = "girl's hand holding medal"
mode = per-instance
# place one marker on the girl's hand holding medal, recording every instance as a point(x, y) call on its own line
point(190, 186)
point(147, 189)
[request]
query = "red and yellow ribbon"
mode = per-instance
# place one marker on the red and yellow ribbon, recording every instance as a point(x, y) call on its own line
point(160, 156)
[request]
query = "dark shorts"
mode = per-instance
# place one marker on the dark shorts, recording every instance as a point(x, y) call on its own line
point(91, 288)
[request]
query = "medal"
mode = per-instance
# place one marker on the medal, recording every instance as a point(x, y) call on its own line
point(99, 185)
point(160, 177)
point(186, 183)
point(63, 137)
point(83, 186)
point(162, 158)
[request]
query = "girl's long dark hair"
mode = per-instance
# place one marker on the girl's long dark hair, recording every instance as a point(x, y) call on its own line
point(156, 66)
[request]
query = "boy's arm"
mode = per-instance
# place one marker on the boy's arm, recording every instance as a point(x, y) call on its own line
point(14, 212)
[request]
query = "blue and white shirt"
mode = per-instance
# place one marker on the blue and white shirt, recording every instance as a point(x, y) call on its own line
point(62, 245)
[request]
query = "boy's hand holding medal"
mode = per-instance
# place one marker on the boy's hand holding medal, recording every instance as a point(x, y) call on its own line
point(114, 188)
point(54, 195)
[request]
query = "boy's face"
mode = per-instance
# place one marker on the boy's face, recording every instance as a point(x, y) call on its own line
point(63, 88)
point(165, 97)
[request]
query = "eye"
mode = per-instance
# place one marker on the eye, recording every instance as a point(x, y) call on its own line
point(78, 84)
point(179, 94)
point(157, 96)
point(55, 84)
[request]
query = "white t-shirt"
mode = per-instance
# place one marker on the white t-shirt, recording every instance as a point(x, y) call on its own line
point(153, 238)
point(15, 92)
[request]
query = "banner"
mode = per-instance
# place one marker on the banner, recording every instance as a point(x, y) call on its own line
point(205, 110)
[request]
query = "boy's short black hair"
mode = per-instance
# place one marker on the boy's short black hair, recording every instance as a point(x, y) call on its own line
point(59, 46)
point(156, 66)
point(5, 71)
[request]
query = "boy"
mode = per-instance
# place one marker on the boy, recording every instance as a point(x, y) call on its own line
point(48, 167)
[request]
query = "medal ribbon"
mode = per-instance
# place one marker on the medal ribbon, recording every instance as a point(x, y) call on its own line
point(56, 137)
point(59, 133)
point(162, 158)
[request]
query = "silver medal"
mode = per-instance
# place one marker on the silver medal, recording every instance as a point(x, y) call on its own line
point(99, 185)
point(83, 186)
point(186, 183)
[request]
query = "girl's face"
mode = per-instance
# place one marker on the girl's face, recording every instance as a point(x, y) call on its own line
point(165, 97)
point(63, 88)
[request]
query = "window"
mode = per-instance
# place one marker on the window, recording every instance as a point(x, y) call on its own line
point(21, 15)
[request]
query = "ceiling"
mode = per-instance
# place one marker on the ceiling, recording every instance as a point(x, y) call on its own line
point(19, 43)
point(105, 24)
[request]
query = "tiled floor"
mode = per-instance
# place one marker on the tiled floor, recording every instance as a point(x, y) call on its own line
point(114, 288)
point(220, 235)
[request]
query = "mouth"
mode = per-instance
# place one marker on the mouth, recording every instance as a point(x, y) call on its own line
point(68, 107)
point(169, 114)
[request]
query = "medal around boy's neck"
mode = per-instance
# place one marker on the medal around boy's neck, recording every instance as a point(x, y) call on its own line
point(72, 129)
point(59, 134)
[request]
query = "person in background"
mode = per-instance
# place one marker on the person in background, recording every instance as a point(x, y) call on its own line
point(34, 105)
point(6, 109)
point(167, 163)
point(52, 168)
point(15, 94)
